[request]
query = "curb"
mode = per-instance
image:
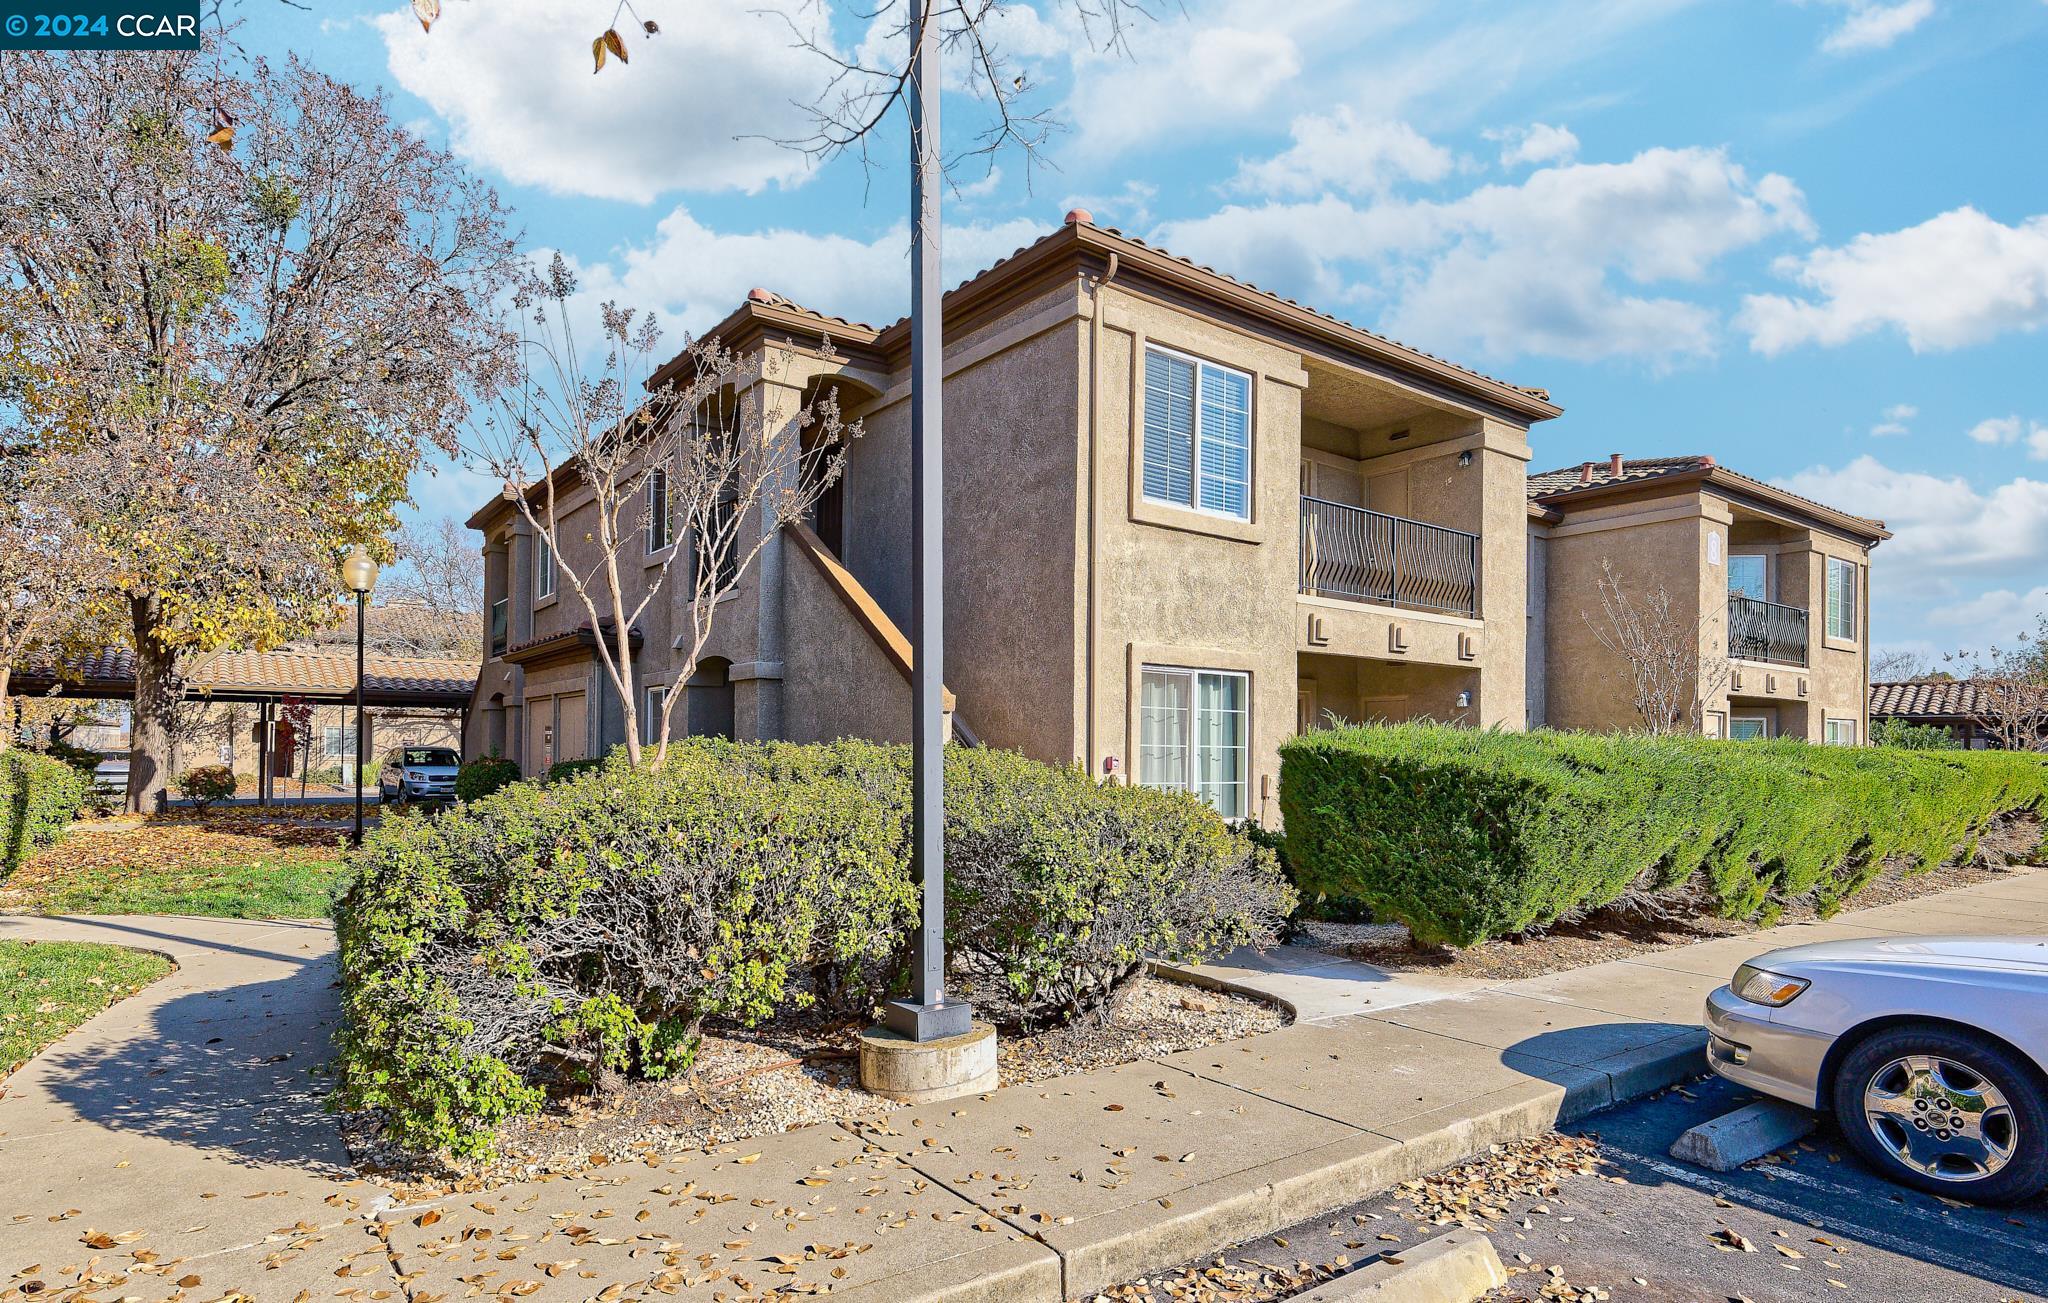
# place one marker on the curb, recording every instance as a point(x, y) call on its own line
point(1453, 1268)
point(1171, 972)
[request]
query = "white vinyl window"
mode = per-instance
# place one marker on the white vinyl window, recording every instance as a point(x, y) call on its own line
point(660, 527)
point(1192, 734)
point(1745, 728)
point(543, 568)
point(1841, 732)
point(1841, 598)
point(657, 698)
point(1198, 435)
point(338, 743)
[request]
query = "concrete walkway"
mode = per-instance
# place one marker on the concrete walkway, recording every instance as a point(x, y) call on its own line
point(1034, 1193)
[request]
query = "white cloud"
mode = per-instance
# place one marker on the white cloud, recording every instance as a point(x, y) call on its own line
point(1950, 541)
point(1343, 152)
point(692, 275)
point(2004, 431)
point(1182, 78)
point(1874, 24)
point(1894, 423)
point(1957, 279)
point(1542, 266)
point(1539, 142)
point(1997, 616)
point(513, 81)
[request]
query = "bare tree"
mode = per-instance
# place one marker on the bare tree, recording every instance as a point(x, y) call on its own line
point(1673, 653)
point(2010, 684)
point(441, 571)
point(697, 466)
point(51, 572)
point(1898, 665)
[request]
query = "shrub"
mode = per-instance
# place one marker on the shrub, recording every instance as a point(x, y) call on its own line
point(1465, 835)
point(39, 797)
point(206, 784)
point(561, 931)
point(570, 768)
point(484, 775)
point(1912, 737)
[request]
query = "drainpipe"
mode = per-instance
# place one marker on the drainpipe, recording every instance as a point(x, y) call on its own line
point(1094, 639)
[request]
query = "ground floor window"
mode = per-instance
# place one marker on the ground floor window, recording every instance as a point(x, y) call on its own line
point(1192, 734)
point(338, 743)
point(657, 699)
point(1747, 727)
point(1841, 732)
point(1717, 723)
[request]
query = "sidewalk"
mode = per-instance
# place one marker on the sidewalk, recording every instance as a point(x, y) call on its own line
point(1034, 1193)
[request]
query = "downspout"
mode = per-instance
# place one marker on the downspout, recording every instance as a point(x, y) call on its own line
point(1094, 639)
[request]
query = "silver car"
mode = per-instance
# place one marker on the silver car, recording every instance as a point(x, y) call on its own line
point(418, 774)
point(1932, 1052)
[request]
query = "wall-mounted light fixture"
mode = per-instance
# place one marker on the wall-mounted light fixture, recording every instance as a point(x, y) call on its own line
point(1465, 457)
point(1465, 700)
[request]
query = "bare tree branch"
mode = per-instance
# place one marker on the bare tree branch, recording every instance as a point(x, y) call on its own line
point(1674, 662)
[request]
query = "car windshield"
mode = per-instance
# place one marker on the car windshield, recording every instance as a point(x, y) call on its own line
point(427, 756)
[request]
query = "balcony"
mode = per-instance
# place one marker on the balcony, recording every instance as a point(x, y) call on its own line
point(1369, 556)
point(1766, 631)
point(501, 611)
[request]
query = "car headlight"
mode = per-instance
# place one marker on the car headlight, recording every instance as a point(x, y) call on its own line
point(417, 778)
point(1758, 986)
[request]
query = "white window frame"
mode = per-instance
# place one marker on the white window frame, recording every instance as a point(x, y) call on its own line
point(1854, 595)
point(1251, 394)
point(653, 698)
point(1188, 779)
point(1828, 732)
point(1715, 724)
point(345, 742)
point(543, 568)
point(661, 531)
point(1740, 718)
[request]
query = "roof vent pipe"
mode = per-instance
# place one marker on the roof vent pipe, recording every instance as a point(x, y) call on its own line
point(1585, 472)
point(1614, 465)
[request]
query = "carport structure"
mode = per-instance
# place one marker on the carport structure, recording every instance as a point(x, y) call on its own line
point(319, 677)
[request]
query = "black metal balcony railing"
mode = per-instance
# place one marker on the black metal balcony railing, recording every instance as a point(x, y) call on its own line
point(1369, 556)
point(1766, 631)
point(501, 620)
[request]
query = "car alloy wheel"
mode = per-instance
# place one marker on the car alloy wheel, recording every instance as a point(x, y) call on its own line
point(1940, 1118)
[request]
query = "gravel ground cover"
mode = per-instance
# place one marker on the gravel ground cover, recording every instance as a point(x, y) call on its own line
point(778, 1078)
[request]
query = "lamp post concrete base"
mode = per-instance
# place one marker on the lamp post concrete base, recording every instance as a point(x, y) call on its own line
point(919, 1072)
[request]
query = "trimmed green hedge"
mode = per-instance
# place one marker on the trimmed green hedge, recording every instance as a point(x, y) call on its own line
point(555, 932)
point(484, 775)
point(39, 797)
point(1465, 835)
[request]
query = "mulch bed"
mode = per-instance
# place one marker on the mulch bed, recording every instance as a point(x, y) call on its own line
point(778, 1078)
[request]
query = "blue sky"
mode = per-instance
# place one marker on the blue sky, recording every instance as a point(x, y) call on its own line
point(1807, 236)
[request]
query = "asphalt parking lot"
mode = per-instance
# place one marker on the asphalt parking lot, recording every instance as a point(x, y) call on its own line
point(1609, 1216)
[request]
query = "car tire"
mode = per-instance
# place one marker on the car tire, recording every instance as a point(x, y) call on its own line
point(1894, 1091)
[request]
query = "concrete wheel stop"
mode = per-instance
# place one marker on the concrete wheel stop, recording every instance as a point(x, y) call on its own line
point(919, 1072)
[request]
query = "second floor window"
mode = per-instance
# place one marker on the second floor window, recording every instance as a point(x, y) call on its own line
point(660, 528)
point(1198, 432)
point(721, 542)
point(543, 568)
point(1841, 598)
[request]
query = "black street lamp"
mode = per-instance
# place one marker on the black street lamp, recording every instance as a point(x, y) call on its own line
point(359, 572)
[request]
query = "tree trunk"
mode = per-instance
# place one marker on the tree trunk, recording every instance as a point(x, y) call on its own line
point(9, 726)
point(149, 734)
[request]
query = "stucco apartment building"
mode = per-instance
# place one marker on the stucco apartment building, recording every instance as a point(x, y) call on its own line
point(1184, 519)
point(1778, 585)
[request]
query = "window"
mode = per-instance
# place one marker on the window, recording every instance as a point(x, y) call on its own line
point(1197, 435)
point(724, 544)
point(1747, 575)
point(338, 743)
point(543, 568)
point(1841, 732)
point(1744, 728)
point(657, 698)
point(1716, 723)
point(1192, 734)
point(1841, 598)
point(661, 529)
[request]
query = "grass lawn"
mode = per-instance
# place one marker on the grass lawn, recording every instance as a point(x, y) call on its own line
point(228, 863)
point(49, 987)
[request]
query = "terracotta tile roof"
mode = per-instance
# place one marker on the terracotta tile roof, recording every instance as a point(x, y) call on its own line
point(1545, 485)
point(1956, 697)
point(777, 300)
point(296, 672)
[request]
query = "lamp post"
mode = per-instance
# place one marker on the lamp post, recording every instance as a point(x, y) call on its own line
point(359, 572)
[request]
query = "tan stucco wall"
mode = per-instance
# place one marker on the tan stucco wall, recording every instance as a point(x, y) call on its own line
point(835, 681)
